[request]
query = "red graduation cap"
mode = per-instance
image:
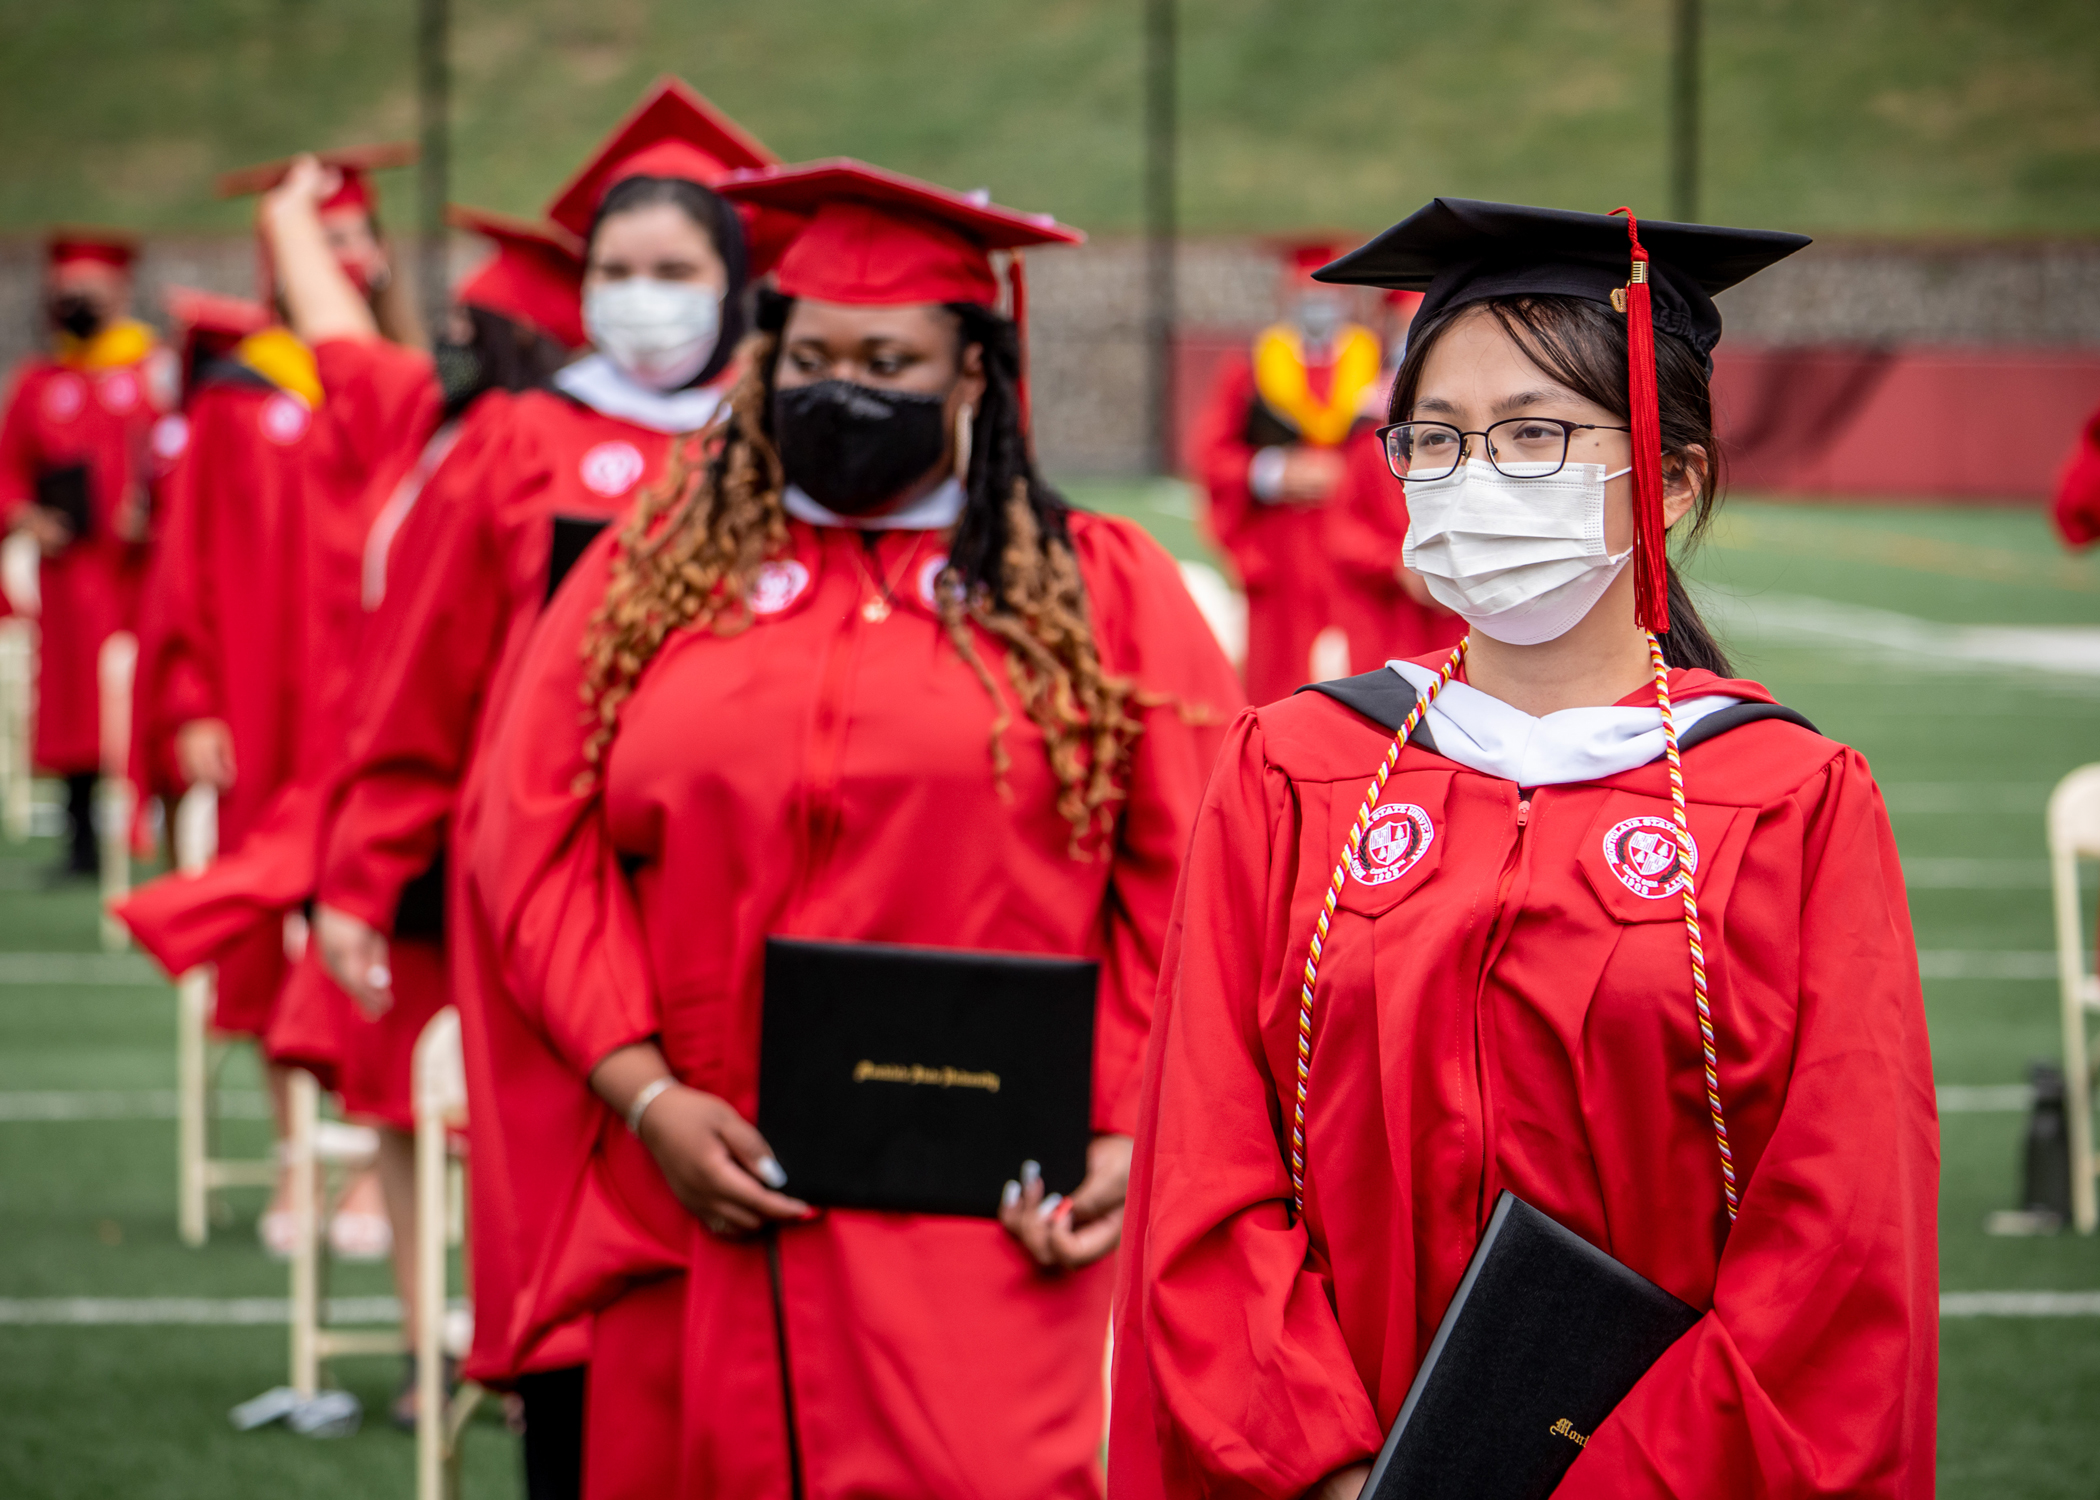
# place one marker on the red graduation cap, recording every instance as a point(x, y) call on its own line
point(876, 237)
point(673, 132)
point(210, 322)
point(1307, 255)
point(881, 238)
point(69, 244)
point(355, 163)
point(535, 276)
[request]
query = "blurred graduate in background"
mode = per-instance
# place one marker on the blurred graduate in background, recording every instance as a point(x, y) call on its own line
point(1268, 450)
point(76, 474)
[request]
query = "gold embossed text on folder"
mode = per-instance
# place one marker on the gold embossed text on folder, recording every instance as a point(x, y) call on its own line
point(866, 1071)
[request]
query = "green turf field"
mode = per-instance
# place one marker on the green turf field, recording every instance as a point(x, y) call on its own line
point(1883, 116)
point(1965, 746)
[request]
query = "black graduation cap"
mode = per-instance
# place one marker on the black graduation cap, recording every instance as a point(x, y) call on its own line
point(1660, 275)
point(1460, 250)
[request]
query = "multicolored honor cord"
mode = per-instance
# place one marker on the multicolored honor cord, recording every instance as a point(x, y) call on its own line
point(1334, 891)
point(1700, 999)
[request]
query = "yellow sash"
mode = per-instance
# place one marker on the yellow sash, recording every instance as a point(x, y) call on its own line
point(277, 355)
point(124, 342)
point(1279, 374)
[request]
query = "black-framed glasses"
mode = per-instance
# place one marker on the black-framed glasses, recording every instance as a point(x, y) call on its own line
point(1520, 447)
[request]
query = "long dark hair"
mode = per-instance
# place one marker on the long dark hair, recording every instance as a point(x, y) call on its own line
point(713, 216)
point(697, 538)
point(1582, 344)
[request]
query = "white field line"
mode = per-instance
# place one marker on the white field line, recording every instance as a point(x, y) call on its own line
point(171, 1312)
point(267, 1312)
point(1987, 963)
point(62, 1106)
point(2060, 650)
point(111, 1104)
point(1960, 874)
point(1972, 797)
point(80, 968)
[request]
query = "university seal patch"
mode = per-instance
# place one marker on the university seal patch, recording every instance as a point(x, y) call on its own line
point(1643, 854)
point(1399, 835)
point(283, 419)
point(610, 469)
point(776, 586)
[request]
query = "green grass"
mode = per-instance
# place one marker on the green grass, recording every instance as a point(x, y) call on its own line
point(88, 1208)
point(1883, 116)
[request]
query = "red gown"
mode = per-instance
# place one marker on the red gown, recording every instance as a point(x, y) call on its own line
point(1366, 529)
point(213, 642)
point(466, 579)
point(2077, 507)
point(1510, 1012)
point(823, 776)
point(294, 649)
point(1278, 549)
point(101, 414)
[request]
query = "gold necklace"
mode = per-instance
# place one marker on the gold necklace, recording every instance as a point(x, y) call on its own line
point(877, 609)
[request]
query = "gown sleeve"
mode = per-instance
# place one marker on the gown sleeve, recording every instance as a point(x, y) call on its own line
point(1218, 455)
point(1816, 1371)
point(2078, 490)
point(1233, 1378)
point(567, 933)
point(380, 397)
point(1367, 520)
point(430, 651)
point(17, 450)
point(1177, 662)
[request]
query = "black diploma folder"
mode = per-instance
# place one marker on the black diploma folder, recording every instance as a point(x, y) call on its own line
point(920, 1079)
point(64, 492)
point(572, 538)
point(1545, 1335)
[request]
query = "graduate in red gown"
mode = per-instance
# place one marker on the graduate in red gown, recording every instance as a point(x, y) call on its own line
point(2077, 505)
point(75, 472)
point(1511, 992)
point(886, 686)
point(1268, 450)
point(290, 452)
point(471, 566)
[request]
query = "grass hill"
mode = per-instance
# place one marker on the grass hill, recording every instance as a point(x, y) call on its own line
point(1910, 117)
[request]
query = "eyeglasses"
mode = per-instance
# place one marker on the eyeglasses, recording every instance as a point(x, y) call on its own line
point(1520, 448)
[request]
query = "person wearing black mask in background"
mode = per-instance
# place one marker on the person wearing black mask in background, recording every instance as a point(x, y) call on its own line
point(74, 474)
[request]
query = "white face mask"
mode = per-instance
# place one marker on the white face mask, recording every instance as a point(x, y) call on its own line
point(1521, 559)
point(660, 332)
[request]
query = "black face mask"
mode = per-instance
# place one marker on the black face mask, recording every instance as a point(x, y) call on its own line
point(76, 315)
point(459, 370)
point(850, 447)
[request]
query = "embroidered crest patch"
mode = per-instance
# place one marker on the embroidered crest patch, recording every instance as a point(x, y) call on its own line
point(284, 419)
point(119, 390)
point(64, 395)
point(611, 469)
point(776, 586)
point(1643, 853)
point(929, 577)
point(1399, 835)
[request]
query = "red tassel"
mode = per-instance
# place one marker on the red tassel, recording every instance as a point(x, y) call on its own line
point(1651, 561)
point(1017, 289)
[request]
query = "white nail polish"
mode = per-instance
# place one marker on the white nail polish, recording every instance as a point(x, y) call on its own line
point(1050, 1205)
point(771, 1173)
point(1031, 1173)
point(1011, 1195)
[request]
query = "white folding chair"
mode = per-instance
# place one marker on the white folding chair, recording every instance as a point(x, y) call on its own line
point(17, 715)
point(2074, 833)
point(114, 798)
point(441, 1112)
point(322, 1156)
point(199, 1174)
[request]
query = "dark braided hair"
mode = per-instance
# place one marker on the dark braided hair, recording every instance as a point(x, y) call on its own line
point(697, 538)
